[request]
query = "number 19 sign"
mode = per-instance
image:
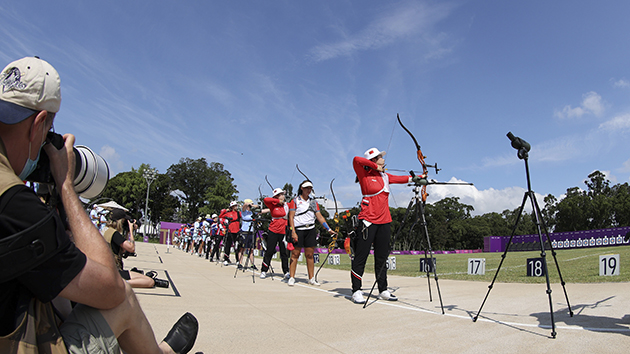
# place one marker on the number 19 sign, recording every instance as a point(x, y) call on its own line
point(609, 264)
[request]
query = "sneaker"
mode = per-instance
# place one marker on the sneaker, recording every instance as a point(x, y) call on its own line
point(386, 295)
point(291, 281)
point(263, 275)
point(254, 267)
point(312, 281)
point(239, 266)
point(225, 263)
point(287, 276)
point(357, 297)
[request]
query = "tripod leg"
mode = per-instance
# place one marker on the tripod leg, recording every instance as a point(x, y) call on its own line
point(553, 253)
point(426, 232)
point(507, 247)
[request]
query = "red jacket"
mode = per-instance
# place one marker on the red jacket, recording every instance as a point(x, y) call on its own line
point(279, 214)
point(233, 218)
point(375, 190)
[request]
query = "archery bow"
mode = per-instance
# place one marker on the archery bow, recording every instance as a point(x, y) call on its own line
point(421, 157)
point(333, 242)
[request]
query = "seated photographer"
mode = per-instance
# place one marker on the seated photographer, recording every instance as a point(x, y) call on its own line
point(121, 224)
point(107, 315)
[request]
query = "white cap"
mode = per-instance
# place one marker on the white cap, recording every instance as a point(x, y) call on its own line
point(307, 184)
point(372, 153)
point(27, 86)
point(233, 203)
point(214, 216)
point(277, 191)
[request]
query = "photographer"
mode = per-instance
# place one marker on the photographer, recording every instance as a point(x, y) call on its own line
point(118, 226)
point(246, 237)
point(107, 314)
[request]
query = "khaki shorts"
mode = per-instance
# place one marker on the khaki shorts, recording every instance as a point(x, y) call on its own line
point(86, 331)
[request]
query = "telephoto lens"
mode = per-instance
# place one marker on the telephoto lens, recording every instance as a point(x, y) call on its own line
point(91, 170)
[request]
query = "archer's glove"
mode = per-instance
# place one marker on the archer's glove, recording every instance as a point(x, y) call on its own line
point(419, 180)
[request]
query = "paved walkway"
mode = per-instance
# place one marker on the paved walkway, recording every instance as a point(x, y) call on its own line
point(253, 315)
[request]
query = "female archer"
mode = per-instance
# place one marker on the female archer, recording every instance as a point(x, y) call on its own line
point(374, 220)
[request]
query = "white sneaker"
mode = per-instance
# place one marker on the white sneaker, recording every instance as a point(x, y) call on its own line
point(312, 281)
point(291, 281)
point(386, 295)
point(287, 276)
point(263, 275)
point(225, 263)
point(357, 297)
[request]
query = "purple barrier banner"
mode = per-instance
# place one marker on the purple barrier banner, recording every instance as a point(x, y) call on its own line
point(563, 240)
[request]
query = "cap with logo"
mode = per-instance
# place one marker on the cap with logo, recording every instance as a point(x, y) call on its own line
point(27, 86)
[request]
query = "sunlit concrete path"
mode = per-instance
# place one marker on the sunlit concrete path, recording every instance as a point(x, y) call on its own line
point(243, 314)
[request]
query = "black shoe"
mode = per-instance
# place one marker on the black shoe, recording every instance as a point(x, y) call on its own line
point(151, 274)
point(239, 266)
point(182, 336)
point(134, 269)
point(161, 283)
point(254, 267)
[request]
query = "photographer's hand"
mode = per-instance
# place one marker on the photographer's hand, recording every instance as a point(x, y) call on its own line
point(62, 164)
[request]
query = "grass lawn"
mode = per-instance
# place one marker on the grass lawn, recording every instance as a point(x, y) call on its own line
point(576, 265)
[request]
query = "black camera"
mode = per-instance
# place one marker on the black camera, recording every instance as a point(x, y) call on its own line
point(91, 172)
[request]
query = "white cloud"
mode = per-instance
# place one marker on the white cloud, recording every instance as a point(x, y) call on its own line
point(618, 123)
point(621, 83)
point(483, 201)
point(404, 21)
point(591, 104)
point(112, 158)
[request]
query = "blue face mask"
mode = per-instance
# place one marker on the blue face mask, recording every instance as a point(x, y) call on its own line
point(30, 165)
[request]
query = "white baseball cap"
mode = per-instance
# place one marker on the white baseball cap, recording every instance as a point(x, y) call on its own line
point(233, 203)
point(277, 191)
point(27, 86)
point(372, 153)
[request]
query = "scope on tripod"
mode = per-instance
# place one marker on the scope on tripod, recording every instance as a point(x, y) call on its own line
point(519, 144)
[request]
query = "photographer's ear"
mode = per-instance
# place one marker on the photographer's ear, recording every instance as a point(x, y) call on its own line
point(41, 124)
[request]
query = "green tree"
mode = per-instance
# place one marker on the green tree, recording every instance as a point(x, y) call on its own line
point(194, 178)
point(621, 205)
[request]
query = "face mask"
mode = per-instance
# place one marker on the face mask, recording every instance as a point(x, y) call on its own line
point(30, 165)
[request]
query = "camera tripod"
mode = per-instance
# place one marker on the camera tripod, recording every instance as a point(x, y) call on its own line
point(523, 150)
point(257, 224)
point(416, 204)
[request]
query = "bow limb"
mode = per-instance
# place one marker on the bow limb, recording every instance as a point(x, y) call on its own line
point(302, 173)
point(420, 158)
point(270, 186)
point(333, 242)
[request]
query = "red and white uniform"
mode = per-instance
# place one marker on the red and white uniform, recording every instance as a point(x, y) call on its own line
point(233, 220)
point(375, 190)
point(303, 218)
point(279, 214)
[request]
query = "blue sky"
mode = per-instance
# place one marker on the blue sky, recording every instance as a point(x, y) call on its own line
point(261, 86)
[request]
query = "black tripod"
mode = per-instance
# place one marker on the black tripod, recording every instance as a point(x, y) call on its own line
point(523, 153)
point(416, 204)
point(257, 224)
